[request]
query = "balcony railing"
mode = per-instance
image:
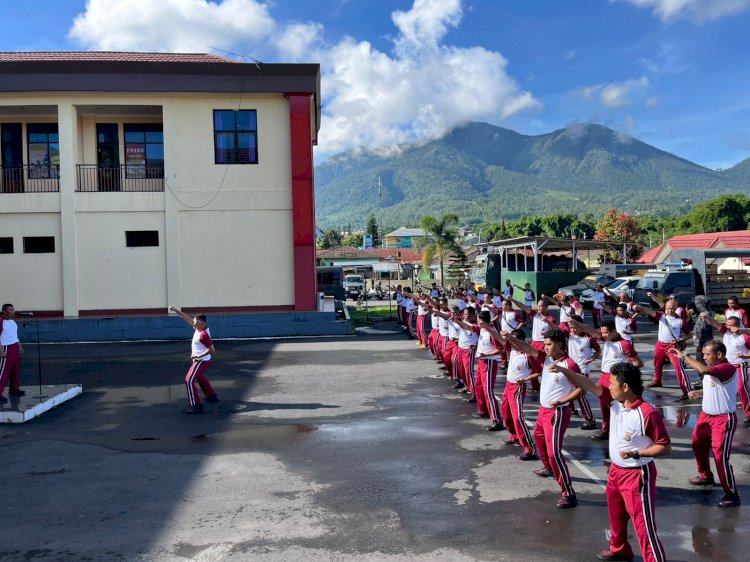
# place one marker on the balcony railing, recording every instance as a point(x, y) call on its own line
point(120, 178)
point(30, 179)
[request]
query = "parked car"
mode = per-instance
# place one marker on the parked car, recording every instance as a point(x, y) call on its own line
point(588, 282)
point(353, 285)
point(626, 284)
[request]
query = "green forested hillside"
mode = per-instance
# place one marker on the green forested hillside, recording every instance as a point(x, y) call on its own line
point(484, 173)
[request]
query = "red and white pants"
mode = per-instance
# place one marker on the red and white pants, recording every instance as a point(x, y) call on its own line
point(485, 389)
point(10, 367)
point(743, 384)
point(196, 376)
point(432, 340)
point(466, 361)
point(512, 409)
point(539, 346)
point(631, 494)
point(660, 356)
point(420, 330)
point(411, 323)
point(448, 352)
point(596, 317)
point(715, 432)
point(549, 434)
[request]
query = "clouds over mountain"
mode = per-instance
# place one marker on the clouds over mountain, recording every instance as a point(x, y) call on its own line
point(415, 92)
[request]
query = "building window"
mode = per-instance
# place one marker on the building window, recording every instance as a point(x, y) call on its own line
point(39, 245)
point(144, 150)
point(44, 150)
point(235, 136)
point(6, 245)
point(141, 238)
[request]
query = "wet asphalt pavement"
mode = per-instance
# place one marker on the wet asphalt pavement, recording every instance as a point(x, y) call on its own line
point(320, 449)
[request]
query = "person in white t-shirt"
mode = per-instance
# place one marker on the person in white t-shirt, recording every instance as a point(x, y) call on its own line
point(717, 421)
point(10, 354)
point(201, 350)
point(737, 341)
point(638, 436)
point(598, 298)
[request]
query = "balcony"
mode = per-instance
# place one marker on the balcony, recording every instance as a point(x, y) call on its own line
point(93, 178)
point(33, 178)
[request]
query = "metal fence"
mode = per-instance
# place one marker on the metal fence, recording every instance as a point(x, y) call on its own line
point(119, 178)
point(30, 179)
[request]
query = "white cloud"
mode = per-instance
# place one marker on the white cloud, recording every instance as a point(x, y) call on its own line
point(170, 25)
point(615, 94)
point(700, 11)
point(417, 92)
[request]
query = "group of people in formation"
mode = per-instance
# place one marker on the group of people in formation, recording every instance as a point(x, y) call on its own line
point(482, 333)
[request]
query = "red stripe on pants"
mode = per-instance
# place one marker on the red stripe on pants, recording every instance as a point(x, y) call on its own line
point(10, 367)
point(466, 367)
point(631, 494)
point(420, 329)
point(539, 346)
point(549, 434)
point(432, 342)
point(715, 432)
point(485, 387)
point(512, 408)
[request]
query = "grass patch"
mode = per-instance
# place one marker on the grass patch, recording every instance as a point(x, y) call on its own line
point(360, 316)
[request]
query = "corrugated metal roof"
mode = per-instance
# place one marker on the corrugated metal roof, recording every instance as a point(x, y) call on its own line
point(403, 231)
point(405, 254)
point(110, 56)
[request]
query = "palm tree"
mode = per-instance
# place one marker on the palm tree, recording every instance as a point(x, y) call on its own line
point(440, 239)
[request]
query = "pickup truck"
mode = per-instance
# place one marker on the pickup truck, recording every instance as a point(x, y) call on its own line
point(691, 277)
point(353, 284)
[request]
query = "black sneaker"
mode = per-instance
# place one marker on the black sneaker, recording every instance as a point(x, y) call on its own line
point(588, 425)
point(472, 400)
point(497, 426)
point(682, 398)
point(195, 410)
point(730, 500)
point(458, 385)
point(212, 399)
point(478, 415)
point(3, 399)
point(567, 502)
point(574, 412)
point(17, 393)
point(528, 456)
point(600, 436)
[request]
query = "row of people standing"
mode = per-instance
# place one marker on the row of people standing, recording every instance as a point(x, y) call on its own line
point(560, 356)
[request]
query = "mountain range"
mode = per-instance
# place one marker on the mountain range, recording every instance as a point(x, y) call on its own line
point(484, 173)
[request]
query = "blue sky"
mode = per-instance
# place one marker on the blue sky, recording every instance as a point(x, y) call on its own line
point(673, 73)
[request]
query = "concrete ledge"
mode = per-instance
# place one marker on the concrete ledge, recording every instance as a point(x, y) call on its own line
point(256, 325)
point(24, 408)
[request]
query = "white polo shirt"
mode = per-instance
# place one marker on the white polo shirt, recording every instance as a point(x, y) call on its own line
point(9, 334)
point(614, 352)
point(556, 386)
point(520, 366)
point(634, 429)
point(720, 397)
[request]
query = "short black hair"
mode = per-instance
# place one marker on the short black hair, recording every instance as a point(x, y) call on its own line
point(485, 316)
point(471, 310)
point(610, 325)
point(627, 373)
point(556, 336)
point(7, 305)
point(519, 334)
point(576, 318)
point(718, 346)
point(201, 317)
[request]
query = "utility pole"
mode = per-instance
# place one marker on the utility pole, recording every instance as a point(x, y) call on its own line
point(380, 208)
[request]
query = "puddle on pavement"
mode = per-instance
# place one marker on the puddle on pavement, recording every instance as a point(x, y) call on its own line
point(230, 440)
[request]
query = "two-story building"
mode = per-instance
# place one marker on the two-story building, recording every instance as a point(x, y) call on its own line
point(132, 181)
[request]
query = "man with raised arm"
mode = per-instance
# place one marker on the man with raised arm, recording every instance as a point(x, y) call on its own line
point(554, 414)
point(615, 350)
point(521, 365)
point(717, 421)
point(737, 341)
point(638, 436)
point(673, 332)
point(584, 350)
point(200, 354)
point(541, 323)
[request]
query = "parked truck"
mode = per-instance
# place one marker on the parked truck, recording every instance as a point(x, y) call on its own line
point(695, 272)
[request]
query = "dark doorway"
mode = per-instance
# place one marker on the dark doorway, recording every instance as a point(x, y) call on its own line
point(108, 156)
point(11, 145)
